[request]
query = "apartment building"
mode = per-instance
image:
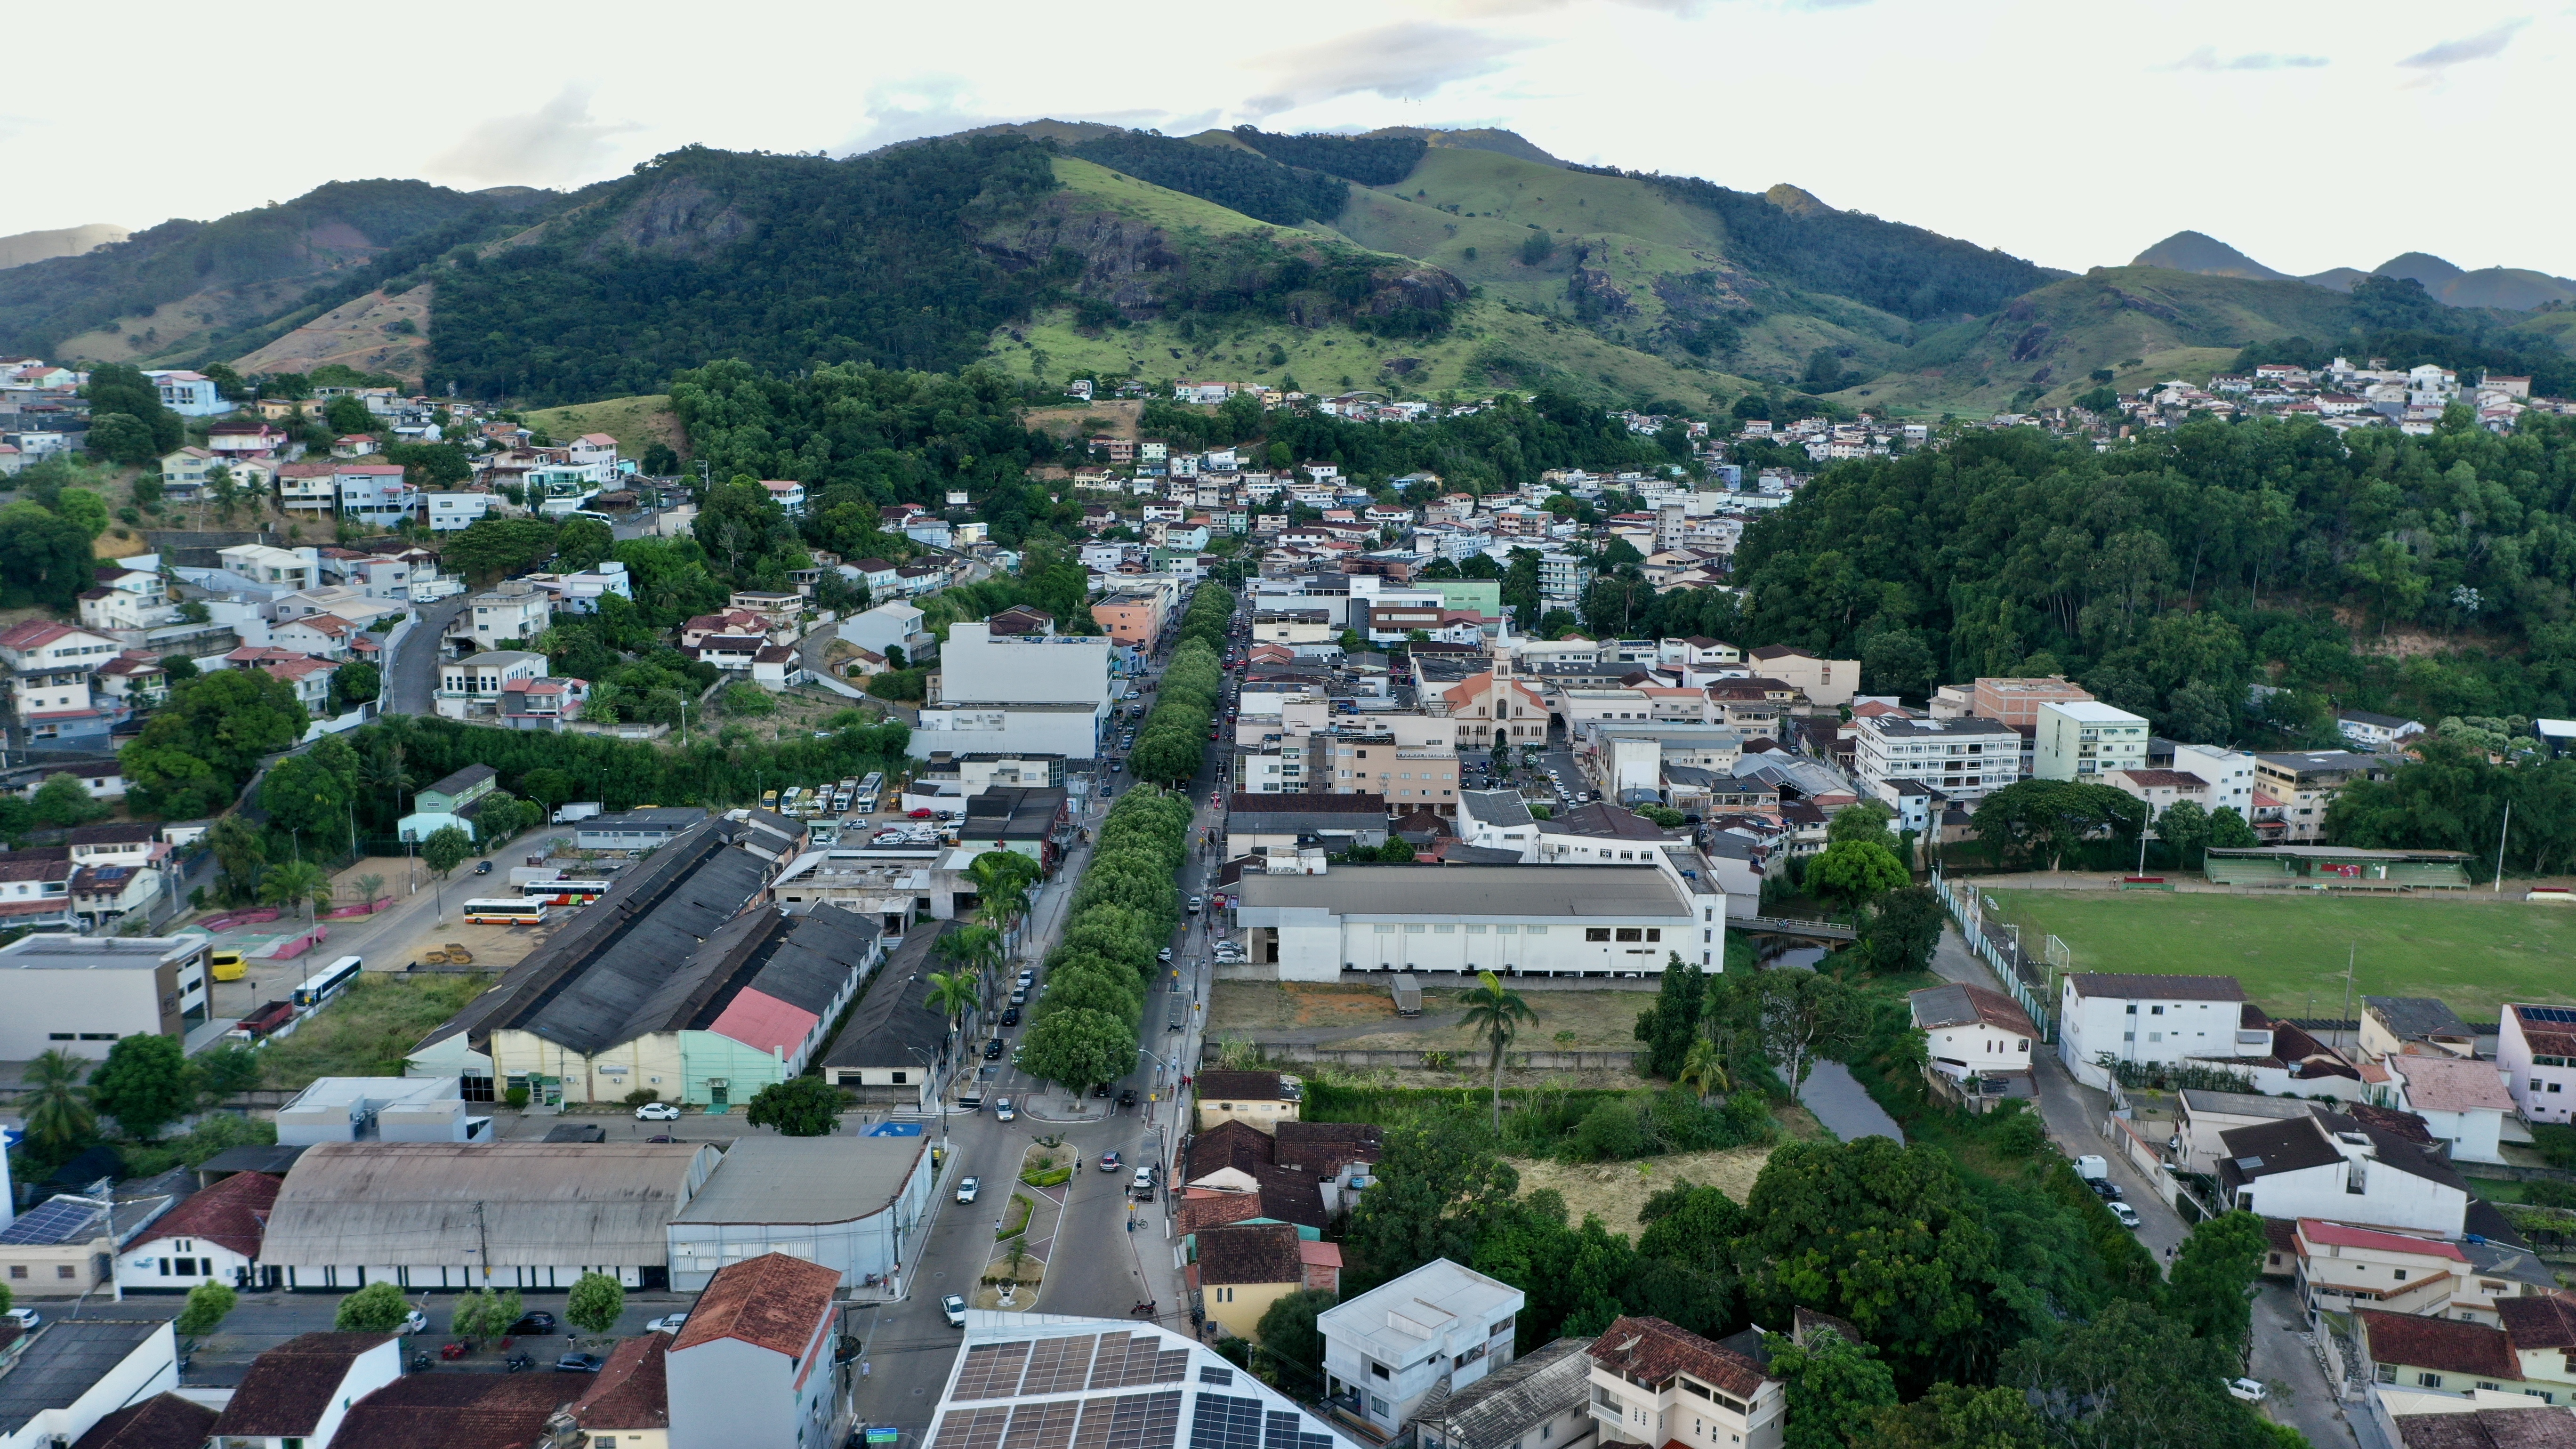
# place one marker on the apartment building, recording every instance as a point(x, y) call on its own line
point(2149, 1018)
point(2536, 1047)
point(1829, 683)
point(1654, 1383)
point(1439, 1327)
point(1965, 759)
point(2085, 739)
point(2292, 790)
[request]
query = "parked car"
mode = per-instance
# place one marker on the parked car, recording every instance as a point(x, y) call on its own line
point(2127, 1215)
point(968, 1187)
point(2104, 1188)
point(415, 1322)
point(1110, 1161)
point(1028, 978)
point(1003, 1111)
point(533, 1325)
point(25, 1317)
point(1010, 1016)
point(955, 1308)
point(992, 1049)
point(1164, 955)
point(657, 1112)
point(2251, 1391)
point(580, 1363)
point(1019, 995)
point(1195, 903)
point(1143, 1183)
point(1127, 1098)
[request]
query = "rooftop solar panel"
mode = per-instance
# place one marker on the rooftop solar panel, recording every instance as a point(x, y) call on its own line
point(1292, 1431)
point(1129, 1359)
point(1042, 1426)
point(2556, 1015)
point(1059, 1365)
point(991, 1371)
point(972, 1429)
point(1223, 1421)
point(1218, 1376)
point(55, 1220)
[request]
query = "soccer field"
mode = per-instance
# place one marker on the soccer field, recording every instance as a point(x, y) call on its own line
point(2289, 950)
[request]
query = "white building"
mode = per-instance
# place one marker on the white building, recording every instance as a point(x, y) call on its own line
point(473, 685)
point(1965, 759)
point(756, 1363)
point(380, 1109)
point(190, 394)
point(2464, 1103)
point(2079, 739)
point(2536, 1047)
point(1149, 1388)
point(1653, 1383)
point(2230, 774)
point(2144, 1018)
point(1520, 920)
point(278, 570)
point(503, 617)
point(1440, 1326)
point(2349, 1173)
point(447, 512)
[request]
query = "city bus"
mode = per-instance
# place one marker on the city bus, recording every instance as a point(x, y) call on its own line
point(519, 912)
point(564, 892)
point(866, 801)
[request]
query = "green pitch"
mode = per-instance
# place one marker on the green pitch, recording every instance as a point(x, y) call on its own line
point(2289, 949)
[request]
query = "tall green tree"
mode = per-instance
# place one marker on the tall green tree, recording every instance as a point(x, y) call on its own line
point(56, 1106)
point(1439, 1184)
point(144, 1084)
point(798, 1107)
point(1078, 1048)
point(1496, 1013)
point(1853, 873)
point(2213, 1283)
point(377, 1308)
point(1835, 1389)
point(1670, 1025)
point(595, 1302)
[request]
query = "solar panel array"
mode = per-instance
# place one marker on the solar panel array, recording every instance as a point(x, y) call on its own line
point(1224, 1378)
point(1223, 1421)
point(1042, 1426)
point(1092, 1364)
point(992, 1371)
point(55, 1220)
point(2555, 1015)
point(1132, 1421)
point(1290, 1431)
point(1129, 1359)
point(972, 1429)
point(1059, 1365)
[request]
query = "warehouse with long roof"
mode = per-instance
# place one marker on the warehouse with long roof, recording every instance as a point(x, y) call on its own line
point(453, 1215)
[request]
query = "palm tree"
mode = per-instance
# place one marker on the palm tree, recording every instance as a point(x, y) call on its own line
point(953, 994)
point(1496, 1013)
point(56, 1106)
point(296, 882)
point(1704, 1069)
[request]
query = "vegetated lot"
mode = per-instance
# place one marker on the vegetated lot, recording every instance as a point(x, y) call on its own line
point(1599, 1019)
point(2473, 955)
point(368, 1029)
point(1615, 1192)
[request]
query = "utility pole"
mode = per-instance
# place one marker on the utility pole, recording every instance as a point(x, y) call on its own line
point(2500, 835)
point(2349, 953)
point(483, 1246)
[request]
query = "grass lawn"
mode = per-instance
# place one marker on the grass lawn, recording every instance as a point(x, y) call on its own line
point(2289, 950)
point(369, 1028)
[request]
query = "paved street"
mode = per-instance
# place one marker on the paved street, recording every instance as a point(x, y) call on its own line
point(2073, 1114)
point(415, 672)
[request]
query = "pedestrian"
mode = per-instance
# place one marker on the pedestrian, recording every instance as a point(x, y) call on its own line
point(863, 1368)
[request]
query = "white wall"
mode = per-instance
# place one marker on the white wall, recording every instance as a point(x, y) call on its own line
point(977, 669)
point(1314, 944)
point(2147, 1031)
point(2390, 1198)
point(1070, 733)
point(151, 1368)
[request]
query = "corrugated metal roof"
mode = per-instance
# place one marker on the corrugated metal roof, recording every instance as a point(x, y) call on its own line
point(1474, 890)
point(540, 1204)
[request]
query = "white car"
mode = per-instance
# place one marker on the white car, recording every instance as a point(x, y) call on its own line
point(1003, 1111)
point(668, 1323)
point(955, 1308)
point(415, 1322)
point(2127, 1215)
point(967, 1188)
point(25, 1317)
point(657, 1112)
point(2251, 1391)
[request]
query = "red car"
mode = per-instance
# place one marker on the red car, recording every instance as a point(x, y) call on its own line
point(922, 814)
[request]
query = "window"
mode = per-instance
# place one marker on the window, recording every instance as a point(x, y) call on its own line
point(18, 1270)
point(1415, 929)
point(1596, 933)
point(1386, 930)
point(2429, 1380)
point(1378, 1370)
point(1631, 933)
point(65, 1270)
point(1542, 930)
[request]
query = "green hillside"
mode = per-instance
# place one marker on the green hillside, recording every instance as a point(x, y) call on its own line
point(2045, 345)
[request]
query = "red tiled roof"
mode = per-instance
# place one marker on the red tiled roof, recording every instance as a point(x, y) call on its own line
point(633, 1391)
point(2339, 1235)
point(2444, 1344)
point(1200, 1212)
point(454, 1411)
point(1651, 1350)
point(2545, 1321)
point(233, 1212)
point(772, 1301)
point(1251, 1253)
point(33, 634)
point(288, 1388)
point(164, 1421)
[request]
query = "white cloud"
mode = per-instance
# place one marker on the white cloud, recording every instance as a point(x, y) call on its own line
point(2207, 59)
point(554, 145)
point(1409, 60)
point(2485, 45)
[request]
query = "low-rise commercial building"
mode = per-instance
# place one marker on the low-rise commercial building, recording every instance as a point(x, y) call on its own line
point(82, 994)
point(851, 1204)
point(1600, 921)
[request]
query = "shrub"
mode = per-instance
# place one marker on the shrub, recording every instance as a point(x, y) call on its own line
point(642, 1095)
point(516, 1097)
point(1609, 1132)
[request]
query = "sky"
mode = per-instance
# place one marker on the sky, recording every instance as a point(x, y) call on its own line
point(2307, 135)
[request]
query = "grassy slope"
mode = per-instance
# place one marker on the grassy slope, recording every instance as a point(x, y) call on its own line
point(2549, 329)
point(2055, 337)
point(2284, 947)
point(1321, 358)
point(635, 422)
point(1636, 234)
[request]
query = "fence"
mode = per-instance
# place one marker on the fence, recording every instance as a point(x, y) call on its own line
point(2025, 977)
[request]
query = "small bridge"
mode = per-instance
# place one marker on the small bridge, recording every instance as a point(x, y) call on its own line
point(1785, 926)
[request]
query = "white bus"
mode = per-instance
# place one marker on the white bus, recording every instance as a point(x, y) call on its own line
point(865, 803)
point(519, 911)
point(328, 982)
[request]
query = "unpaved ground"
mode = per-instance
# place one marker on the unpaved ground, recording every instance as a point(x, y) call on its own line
point(1362, 1018)
point(1615, 1192)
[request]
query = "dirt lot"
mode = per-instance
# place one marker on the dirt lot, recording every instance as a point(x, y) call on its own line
point(1363, 1018)
point(1615, 1192)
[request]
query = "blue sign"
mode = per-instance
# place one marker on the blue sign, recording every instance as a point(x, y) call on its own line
point(883, 1433)
point(895, 1129)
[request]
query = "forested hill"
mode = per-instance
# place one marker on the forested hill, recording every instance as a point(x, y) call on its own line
point(190, 286)
point(2428, 576)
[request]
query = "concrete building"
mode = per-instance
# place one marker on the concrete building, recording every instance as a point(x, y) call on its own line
point(2464, 1103)
point(380, 1109)
point(1653, 1383)
point(1439, 1327)
point(2341, 1267)
point(1242, 1269)
point(2341, 1170)
point(976, 666)
point(1977, 1036)
point(1259, 1099)
point(502, 618)
point(1540, 920)
point(1538, 1401)
point(851, 1204)
point(211, 1236)
point(72, 1374)
point(1827, 683)
point(637, 830)
point(2536, 1047)
point(2292, 790)
point(2414, 1025)
point(1965, 759)
point(758, 1360)
point(80, 994)
point(2415, 1352)
point(1133, 617)
point(2083, 739)
point(2115, 1017)
point(472, 687)
point(435, 1215)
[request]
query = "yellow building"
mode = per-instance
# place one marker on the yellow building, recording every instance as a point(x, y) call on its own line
point(1242, 1270)
point(1260, 1099)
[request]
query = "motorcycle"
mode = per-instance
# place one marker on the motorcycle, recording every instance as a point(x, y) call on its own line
point(420, 1361)
point(519, 1361)
point(1143, 1310)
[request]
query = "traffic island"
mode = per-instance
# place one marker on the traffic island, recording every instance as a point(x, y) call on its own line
point(1024, 1239)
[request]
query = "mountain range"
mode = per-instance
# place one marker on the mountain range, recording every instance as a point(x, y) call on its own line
point(1409, 260)
point(2513, 289)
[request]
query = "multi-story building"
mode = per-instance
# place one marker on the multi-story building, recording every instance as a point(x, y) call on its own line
point(1827, 683)
point(473, 686)
point(81, 994)
point(502, 618)
point(1534, 920)
point(1133, 617)
point(50, 672)
point(1654, 1383)
point(1496, 707)
point(2145, 1018)
point(1439, 1327)
point(2292, 790)
point(755, 1363)
point(2230, 774)
point(448, 511)
point(1965, 759)
point(2536, 1047)
point(2083, 739)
